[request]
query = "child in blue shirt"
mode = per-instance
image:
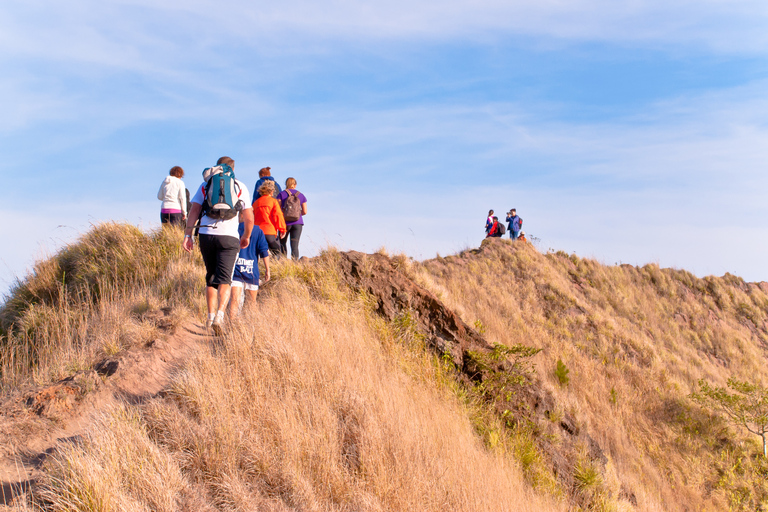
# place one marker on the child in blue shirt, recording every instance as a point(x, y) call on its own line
point(246, 273)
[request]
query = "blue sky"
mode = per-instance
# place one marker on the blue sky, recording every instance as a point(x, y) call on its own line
point(631, 132)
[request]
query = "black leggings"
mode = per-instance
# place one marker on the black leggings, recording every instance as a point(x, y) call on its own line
point(274, 245)
point(295, 233)
point(172, 218)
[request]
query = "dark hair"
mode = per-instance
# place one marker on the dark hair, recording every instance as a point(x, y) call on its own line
point(490, 212)
point(177, 171)
point(226, 160)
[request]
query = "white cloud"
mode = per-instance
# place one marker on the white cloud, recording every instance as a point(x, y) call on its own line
point(143, 34)
point(674, 162)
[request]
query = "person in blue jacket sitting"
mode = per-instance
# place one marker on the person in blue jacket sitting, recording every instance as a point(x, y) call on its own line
point(246, 276)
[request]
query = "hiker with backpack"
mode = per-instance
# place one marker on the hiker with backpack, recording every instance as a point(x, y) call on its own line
point(265, 174)
point(269, 217)
point(246, 279)
point(174, 197)
point(515, 224)
point(496, 228)
point(294, 206)
point(217, 203)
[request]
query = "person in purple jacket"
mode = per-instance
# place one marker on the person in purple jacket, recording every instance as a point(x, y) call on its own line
point(245, 279)
point(294, 206)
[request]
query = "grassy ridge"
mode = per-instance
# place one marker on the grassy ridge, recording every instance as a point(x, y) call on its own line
point(635, 341)
point(314, 403)
point(85, 300)
point(317, 403)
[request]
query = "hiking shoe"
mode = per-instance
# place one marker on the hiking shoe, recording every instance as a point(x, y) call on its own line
point(209, 322)
point(218, 325)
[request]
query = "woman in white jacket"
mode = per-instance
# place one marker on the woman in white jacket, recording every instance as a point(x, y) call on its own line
point(173, 194)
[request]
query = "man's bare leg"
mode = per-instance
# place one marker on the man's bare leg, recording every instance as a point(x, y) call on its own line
point(224, 293)
point(211, 295)
point(218, 321)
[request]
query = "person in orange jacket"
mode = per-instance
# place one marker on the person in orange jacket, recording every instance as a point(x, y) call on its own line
point(521, 237)
point(269, 217)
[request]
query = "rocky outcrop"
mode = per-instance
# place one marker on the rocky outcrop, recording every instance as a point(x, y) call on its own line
point(396, 293)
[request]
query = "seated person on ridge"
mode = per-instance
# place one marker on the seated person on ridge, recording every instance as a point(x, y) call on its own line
point(495, 231)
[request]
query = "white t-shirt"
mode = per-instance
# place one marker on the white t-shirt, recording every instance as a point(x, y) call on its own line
point(222, 227)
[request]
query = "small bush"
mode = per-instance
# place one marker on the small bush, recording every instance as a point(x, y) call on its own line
point(561, 372)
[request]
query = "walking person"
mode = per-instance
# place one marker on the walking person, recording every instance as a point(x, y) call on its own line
point(173, 194)
point(488, 222)
point(265, 174)
point(515, 224)
point(220, 238)
point(294, 206)
point(246, 279)
point(269, 217)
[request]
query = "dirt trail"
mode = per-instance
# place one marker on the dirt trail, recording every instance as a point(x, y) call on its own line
point(34, 422)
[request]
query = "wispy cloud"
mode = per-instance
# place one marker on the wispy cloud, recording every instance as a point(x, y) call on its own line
point(142, 33)
point(347, 97)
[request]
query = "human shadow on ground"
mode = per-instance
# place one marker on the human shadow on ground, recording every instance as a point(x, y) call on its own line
point(12, 490)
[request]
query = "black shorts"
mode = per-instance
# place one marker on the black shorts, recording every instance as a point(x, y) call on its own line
point(219, 254)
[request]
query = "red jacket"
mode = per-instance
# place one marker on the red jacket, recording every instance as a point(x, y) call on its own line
point(494, 231)
point(268, 215)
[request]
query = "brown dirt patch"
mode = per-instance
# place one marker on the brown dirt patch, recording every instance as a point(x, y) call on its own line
point(34, 421)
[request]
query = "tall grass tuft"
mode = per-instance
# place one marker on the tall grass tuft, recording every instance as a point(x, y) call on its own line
point(81, 300)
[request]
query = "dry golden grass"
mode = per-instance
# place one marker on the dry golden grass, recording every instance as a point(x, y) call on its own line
point(636, 341)
point(89, 299)
point(313, 402)
point(324, 420)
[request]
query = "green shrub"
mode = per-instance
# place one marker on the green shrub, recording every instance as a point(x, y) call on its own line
point(561, 372)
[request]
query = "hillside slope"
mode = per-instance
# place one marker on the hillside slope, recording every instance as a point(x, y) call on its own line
point(370, 382)
point(314, 402)
point(636, 342)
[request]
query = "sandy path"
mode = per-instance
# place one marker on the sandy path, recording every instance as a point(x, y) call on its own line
point(34, 422)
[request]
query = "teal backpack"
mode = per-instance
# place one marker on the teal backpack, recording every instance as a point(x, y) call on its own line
point(221, 194)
